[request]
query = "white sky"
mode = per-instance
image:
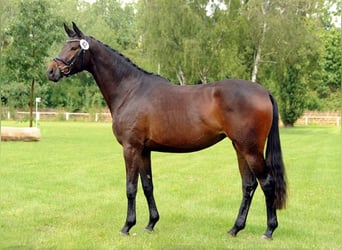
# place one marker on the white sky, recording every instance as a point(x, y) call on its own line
point(123, 1)
point(336, 19)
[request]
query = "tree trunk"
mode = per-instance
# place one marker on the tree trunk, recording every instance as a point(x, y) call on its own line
point(203, 75)
point(264, 9)
point(20, 134)
point(181, 76)
point(31, 103)
point(258, 54)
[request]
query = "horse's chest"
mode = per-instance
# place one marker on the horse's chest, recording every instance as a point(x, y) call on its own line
point(129, 128)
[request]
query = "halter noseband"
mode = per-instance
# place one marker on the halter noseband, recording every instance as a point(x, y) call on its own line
point(67, 65)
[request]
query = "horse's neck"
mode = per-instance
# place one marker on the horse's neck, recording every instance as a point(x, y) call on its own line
point(111, 81)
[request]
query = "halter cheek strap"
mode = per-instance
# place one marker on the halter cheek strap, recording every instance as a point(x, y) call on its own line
point(67, 65)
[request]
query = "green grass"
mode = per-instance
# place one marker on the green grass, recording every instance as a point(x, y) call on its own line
point(68, 192)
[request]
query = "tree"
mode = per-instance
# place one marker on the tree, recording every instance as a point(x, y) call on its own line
point(119, 20)
point(32, 33)
point(331, 81)
point(187, 42)
point(168, 32)
point(282, 49)
point(6, 15)
point(298, 56)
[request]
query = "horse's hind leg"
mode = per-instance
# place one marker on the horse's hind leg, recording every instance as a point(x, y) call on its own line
point(249, 184)
point(257, 164)
point(147, 183)
point(268, 186)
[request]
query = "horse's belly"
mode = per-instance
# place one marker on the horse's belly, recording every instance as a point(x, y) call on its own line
point(183, 143)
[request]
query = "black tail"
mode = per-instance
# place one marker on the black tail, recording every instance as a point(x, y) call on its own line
point(274, 160)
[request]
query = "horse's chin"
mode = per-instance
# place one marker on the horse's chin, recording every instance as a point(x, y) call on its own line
point(55, 79)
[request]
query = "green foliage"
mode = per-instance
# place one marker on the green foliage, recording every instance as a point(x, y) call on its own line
point(293, 45)
point(32, 35)
point(190, 44)
point(169, 39)
point(292, 95)
point(332, 59)
point(120, 22)
point(17, 95)
point(80, 94)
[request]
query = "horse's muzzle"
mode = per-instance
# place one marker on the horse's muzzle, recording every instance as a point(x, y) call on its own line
point(53, 72)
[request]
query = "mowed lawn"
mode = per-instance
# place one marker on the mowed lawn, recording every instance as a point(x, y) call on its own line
point(68, 192)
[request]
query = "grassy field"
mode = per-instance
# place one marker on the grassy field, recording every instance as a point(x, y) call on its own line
point(68, 192)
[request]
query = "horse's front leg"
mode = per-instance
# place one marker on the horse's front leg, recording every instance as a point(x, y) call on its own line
point(133, 160)
point(147, 183)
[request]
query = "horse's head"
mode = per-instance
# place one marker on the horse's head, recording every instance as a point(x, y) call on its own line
point(73, 56)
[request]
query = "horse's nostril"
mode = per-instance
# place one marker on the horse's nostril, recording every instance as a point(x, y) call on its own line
point(51, 73)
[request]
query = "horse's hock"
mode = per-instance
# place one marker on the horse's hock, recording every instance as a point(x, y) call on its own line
point(20, 134)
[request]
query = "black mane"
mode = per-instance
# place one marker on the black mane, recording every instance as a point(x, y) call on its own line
point(125, 61)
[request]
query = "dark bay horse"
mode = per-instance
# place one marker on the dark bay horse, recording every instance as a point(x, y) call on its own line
point(151, 114)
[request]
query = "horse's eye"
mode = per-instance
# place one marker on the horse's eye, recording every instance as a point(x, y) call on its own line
point(74, 48)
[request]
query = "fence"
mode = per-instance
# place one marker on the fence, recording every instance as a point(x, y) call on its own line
point(314, 117)
point(324, 118)
point(53, 115)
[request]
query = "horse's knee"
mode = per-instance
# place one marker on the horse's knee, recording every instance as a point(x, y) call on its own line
point(131, 191)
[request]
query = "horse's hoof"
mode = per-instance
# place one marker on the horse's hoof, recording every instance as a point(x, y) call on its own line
point(148, 230)
point(231, 233)
point(265, 237)
point(124, 233)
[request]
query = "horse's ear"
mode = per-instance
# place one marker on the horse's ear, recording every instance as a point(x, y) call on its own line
point(77, 30)
point(70, 32)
